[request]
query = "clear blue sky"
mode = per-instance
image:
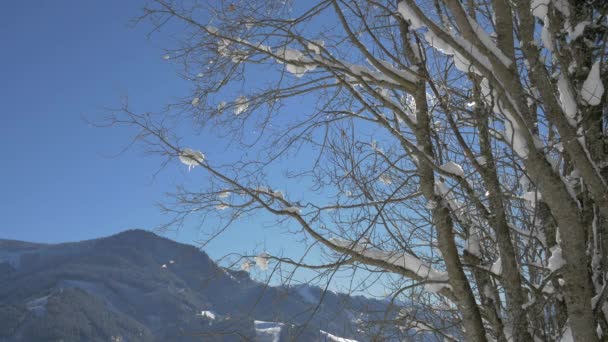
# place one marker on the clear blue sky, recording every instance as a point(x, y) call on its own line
point(60, 178)
point(61, 60)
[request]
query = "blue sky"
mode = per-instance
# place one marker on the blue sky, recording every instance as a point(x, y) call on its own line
point(63, 60)
point(60, 178)
point(63, 179)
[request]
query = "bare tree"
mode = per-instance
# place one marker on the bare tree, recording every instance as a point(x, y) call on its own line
point(458, 147)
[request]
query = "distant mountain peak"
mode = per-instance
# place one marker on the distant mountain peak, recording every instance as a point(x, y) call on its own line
point(145, 287)
point(137, 233)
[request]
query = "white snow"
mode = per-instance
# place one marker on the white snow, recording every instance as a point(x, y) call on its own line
point(593, 88)
point(293, 210)
point(208, 314)
point(278, 194)
point(191, 157)
point(241, 104)
point(421, 327)
point(548, 288)
point(449, 199)
point(460, 62)
point(401, 259)
point(332, 338)
point(473, 244)
point(453, 168)
point(513, 136)
point(567, 335)
point(571, 69)
point(375, 147)
point(195, 101)
point(496, 267)
point(408, 14)
point(221, 206)
point(166, 57)
point(531, 196)
point(224, 194)
point(481, 160)
point(567, 99)
point(416, 49)
point(262, 261)
point(355, 71)
point(562, 6)
point(486, 90)
point(488, 43)
point(385, 179)
point(545, 36)
point(539, 8)
point(435, 287)
point(211, 29)
point(267, 331)
point(315, 46)
point(385, 93)
point(438, 43)
point(221, 106)
point(264, 189)
point(246, 265)
point(222, 47)
point(578, 29)
point(556, 261)
point(409, 105)
point(295, 61)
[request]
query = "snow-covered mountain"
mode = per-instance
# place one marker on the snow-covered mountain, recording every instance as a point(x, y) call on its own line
point(137, 286)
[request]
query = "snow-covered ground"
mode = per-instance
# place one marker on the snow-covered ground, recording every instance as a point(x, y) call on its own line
point(267, 331)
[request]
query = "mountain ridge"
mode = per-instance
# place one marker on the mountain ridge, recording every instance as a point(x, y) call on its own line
point(138, 286)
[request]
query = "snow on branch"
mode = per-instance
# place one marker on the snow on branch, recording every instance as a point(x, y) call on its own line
point(567, 99)
point(453, 168)
point(488, 43)
point(410, 15)
point(593, 88)
point(191, 158)
point(401, 259)
point(262, 261)
point(464, 51)
point(295, 61)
